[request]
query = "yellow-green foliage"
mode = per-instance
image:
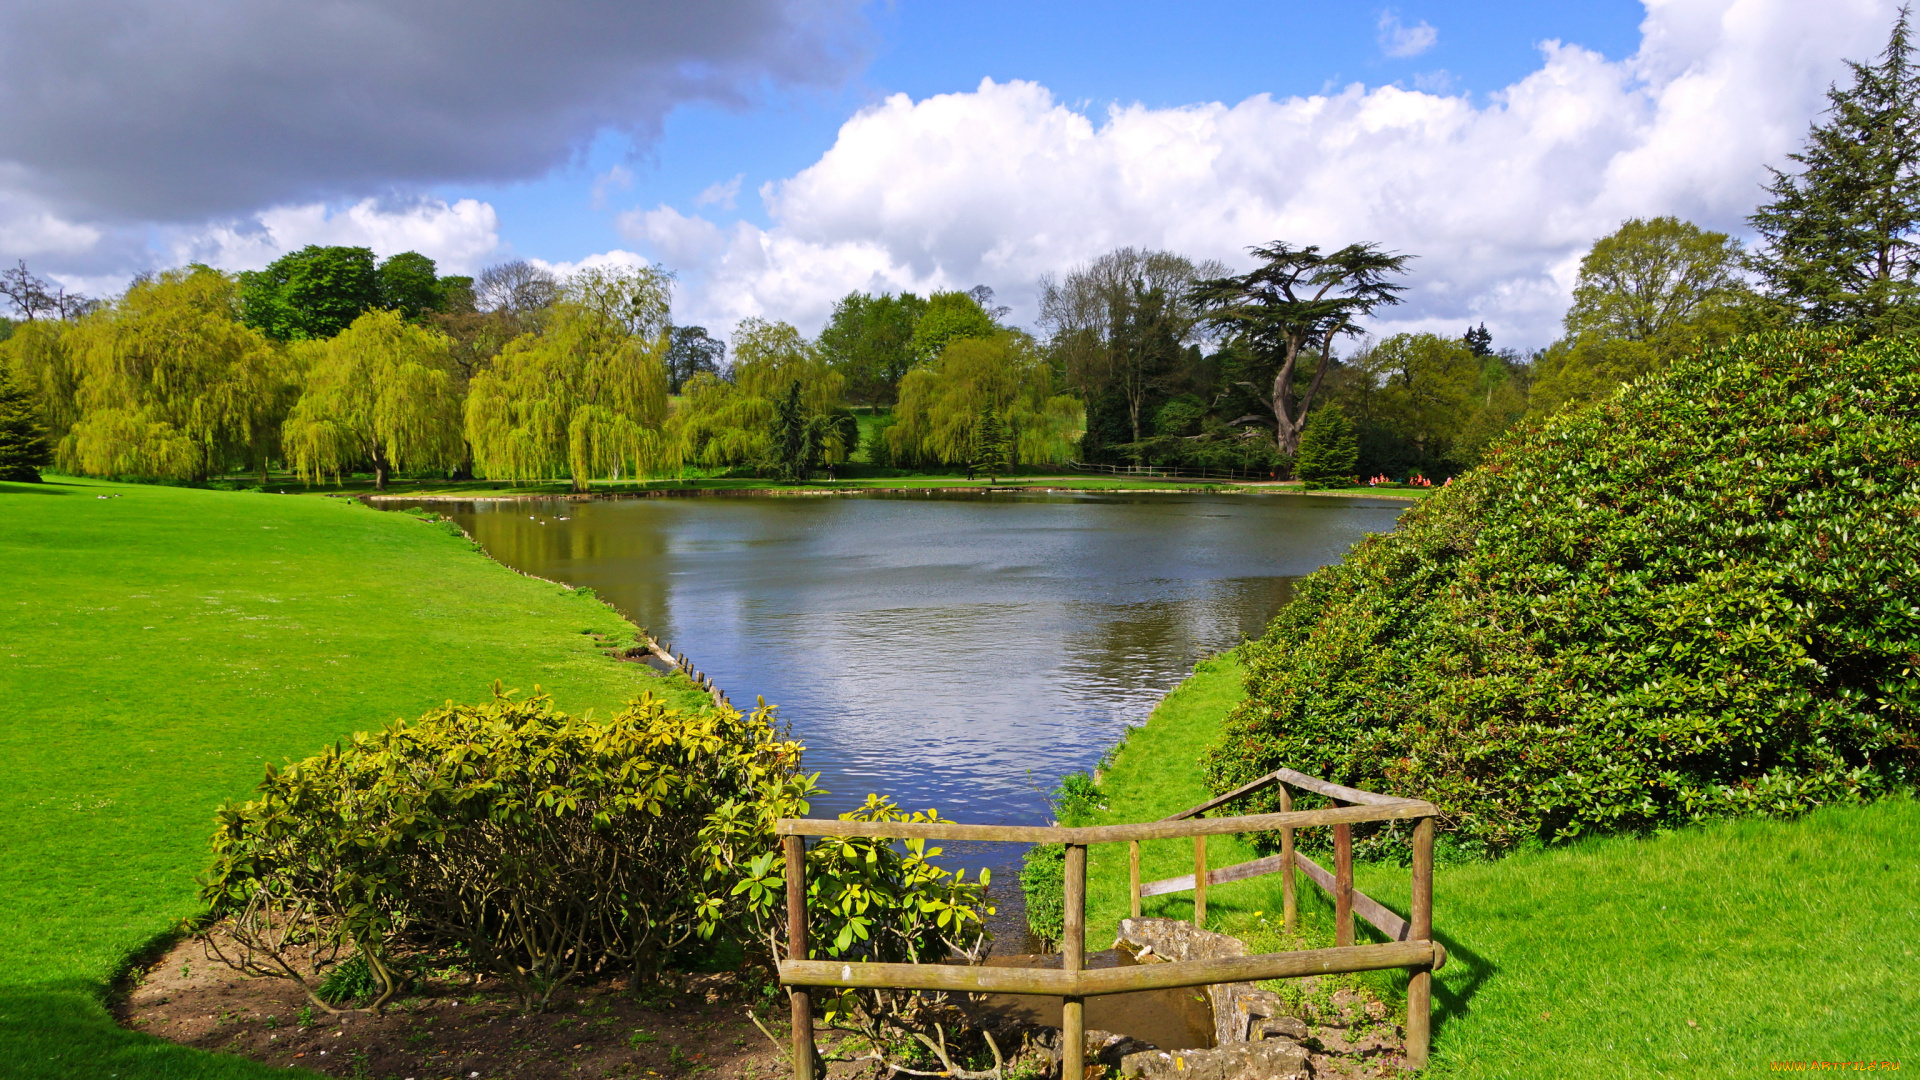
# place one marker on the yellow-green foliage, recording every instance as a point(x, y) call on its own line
point(585, 393)
point(380, 391)
point(938, 417)
point(538, 843)
point(37, 358)
point(168, 382)
point(731, 421)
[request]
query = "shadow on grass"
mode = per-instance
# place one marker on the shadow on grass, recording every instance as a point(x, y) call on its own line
point(61, 1030)
point(45, 487)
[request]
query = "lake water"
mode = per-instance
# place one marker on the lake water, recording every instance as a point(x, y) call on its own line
point(956, 651)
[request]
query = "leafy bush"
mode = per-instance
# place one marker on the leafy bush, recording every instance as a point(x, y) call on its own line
point(539, 844)
point(1696, 600)
point(1043, 875)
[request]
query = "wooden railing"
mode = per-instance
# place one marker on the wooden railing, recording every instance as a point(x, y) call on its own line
point(1410, 942)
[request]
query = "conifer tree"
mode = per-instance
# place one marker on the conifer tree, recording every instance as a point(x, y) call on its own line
point(23, 444)
point(1329, 451)
point(1838, 238)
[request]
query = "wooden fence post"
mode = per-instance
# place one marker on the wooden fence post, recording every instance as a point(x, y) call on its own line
point(1420, 928)
point(1342, 884)
point(1288, 912)
point(1073, 957)
point(1133, 876)
point(1200, 882)
point(797, 950)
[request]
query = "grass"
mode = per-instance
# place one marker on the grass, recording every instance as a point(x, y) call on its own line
point(156, 647)
point(1706, 952)
point(851, 479)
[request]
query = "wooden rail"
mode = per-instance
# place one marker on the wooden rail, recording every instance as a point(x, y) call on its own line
point(1410, 942)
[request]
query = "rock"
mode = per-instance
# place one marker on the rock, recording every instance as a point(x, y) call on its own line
point(1109, 1049)
point(1286, 1027)
point(1269, 1059)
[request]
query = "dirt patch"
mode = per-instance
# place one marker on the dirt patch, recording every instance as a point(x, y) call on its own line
point(696, 1027)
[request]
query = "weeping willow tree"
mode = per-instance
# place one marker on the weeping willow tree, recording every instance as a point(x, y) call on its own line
point(168, 382)
point(37, 357)
point(740, 420)
point(585, 393)
point(992, 394)
point(380, 392)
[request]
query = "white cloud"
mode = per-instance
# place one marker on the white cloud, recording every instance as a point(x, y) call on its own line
point(721, 194)
point(615, 259)
point(1398, 40)
point(458, 236)
point(1003, 184)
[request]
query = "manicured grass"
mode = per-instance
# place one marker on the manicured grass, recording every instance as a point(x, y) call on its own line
point(156, 647)
point(1707, 952)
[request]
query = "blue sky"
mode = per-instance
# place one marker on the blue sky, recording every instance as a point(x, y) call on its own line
point(1090, 55)
point(913, 145)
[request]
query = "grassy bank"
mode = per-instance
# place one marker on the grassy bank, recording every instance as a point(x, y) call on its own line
point(1708, 952)
point(850, 479)
point(157, 645)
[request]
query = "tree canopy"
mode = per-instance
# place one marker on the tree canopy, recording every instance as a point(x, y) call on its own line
point(980, 391)
point(584, 394)
point(1837, 238)
point(316, 292)
point(381, 393)
point(870, 341)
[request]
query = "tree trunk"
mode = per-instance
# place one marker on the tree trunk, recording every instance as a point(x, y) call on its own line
point(380, 472)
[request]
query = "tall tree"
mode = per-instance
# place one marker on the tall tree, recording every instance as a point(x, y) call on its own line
point(410, 284)
point(1649, 292)
point(1328, 449)
point(24, 450)
point(33, 297)
point(315, 292)
point(380, 392)
point(1297, 303)
point(1479, 340)
point(170, 383)
point(736, 420)
point(949, 317)
point(691, 351)
point(585, 394)
point(869, 340)
point(1837, 239)
point(1118, 324)
point(517, 288)
point(1006, 375)
point(38, 356)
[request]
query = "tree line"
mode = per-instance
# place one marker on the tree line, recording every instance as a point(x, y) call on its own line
point(329, 361)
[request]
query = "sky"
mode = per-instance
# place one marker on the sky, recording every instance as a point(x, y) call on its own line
point(777, 154)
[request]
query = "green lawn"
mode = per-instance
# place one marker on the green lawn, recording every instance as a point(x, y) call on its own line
point(157, 647)
point(1707, 952)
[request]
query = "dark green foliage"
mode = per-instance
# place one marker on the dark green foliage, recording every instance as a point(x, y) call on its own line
point(315, 292)
point(869, 340)
point(799, 439)
point(1328, 449)
point(1838, 238)
point(410, 284)
point(23, 442)
point(1480, 340)
point(1693, 601)
point(690, 351)
point(1043, 875)
point(990, 450)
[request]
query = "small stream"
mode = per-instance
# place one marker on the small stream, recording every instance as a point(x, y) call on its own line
point(955, 651)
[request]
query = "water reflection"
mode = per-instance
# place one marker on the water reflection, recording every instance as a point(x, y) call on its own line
point(954, 651)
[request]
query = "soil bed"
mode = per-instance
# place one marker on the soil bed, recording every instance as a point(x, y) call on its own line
point(692, 1025)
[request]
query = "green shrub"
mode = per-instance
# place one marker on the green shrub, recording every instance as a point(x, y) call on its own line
point(539, 845)
point(1043, 875)
point(1697, 600)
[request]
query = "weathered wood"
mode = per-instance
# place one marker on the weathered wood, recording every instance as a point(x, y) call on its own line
point(1073, 957)
point(1420, 986)
point(796, 852)
point(1236, 872)
point(1247, 788)
point(1379, 915)
point(1289, 911)
point(1200, 882)
point(1342, 885)
point(1336, 791)
point(1102, 834)
point(1133, 876)
point(1100, 982)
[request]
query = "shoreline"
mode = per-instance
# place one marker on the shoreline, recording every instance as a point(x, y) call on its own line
point(826, 492)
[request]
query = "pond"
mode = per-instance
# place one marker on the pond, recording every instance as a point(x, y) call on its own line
point(954, 651)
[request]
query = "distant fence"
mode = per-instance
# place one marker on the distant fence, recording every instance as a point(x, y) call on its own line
point(1173, 472)
point(1410, 942)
